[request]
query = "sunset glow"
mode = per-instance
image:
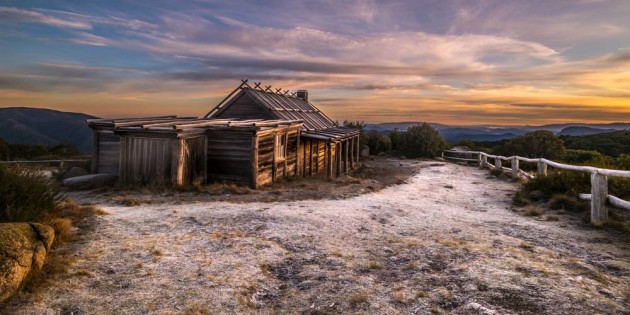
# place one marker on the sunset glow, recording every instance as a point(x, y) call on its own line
point(453, 62)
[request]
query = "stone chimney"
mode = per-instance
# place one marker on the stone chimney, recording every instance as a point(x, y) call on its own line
point(303, 94)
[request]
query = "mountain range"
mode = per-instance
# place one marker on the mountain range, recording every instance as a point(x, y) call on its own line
point(493, 133)
point(23, 125)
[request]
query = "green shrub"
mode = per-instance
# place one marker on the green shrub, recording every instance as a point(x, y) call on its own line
point(585, 157)
point(568, 203)
point(559, 183)
point(26, 195)
point(536, 144)
point(378, 142)
point(422, 141)
point(622, 162)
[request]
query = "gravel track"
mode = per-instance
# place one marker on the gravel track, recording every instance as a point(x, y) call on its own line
point(445, 242)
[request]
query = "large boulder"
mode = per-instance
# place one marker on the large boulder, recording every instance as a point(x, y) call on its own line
point(90, 181)
point(74, 172)
point(23, 249)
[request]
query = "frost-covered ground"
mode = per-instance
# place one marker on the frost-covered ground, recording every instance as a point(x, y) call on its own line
point(446, 242)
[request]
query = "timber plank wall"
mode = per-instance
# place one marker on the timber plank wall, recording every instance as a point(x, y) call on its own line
point(245, 108)
point(160, 160)
point(106, 156)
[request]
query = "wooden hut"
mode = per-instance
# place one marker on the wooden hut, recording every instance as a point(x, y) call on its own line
point(196, 150)
point(324, 148)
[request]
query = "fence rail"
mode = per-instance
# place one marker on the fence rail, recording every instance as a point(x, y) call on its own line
point(60, 162)
point(599, 196)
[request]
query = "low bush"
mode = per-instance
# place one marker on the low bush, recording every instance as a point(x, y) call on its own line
point(585, 157)
point(559, 183)
point(26, 195)
point(568, 203)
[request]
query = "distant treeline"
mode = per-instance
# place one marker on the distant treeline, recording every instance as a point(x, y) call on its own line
point(608, 150)
point(17, 152)
point(604, 150)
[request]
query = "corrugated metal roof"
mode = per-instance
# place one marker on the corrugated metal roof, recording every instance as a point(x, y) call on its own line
point(291, 108)
point(332, 134)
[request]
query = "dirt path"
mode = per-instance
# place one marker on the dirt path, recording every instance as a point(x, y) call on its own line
point(446, 242)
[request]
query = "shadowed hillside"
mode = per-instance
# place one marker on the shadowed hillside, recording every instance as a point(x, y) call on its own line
point(21, 125)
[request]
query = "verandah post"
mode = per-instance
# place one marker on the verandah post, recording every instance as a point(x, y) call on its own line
point(599, 197)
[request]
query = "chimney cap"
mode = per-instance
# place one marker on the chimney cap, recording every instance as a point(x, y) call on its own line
point(303, 94)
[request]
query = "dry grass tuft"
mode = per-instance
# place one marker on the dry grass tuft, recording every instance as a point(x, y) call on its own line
point(226, 188)
point(130, 202)
point(64, 229)
point(83, 273)
point(358, 299)
point(374, 265)
point(402, 297)
point(197, 309)
point(452, 243)
point(527, 246)
point(552, 217)
point(156, 251)
point(533, 211)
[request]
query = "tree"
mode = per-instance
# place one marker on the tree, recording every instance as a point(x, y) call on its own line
point(422, 141)
point(396, 137)
point(363, 138)
point(378, 142)
point(354, 124)
point(536, 144)
point(5, 150)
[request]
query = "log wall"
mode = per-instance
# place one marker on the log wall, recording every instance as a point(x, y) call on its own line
point(230, 156)
point(270, 164)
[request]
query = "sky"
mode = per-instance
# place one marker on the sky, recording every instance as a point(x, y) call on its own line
point(459, 62)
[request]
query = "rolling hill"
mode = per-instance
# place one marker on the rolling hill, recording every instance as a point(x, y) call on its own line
point(22, 125)
point(454, 134)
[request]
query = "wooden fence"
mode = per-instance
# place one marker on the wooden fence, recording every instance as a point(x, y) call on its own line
point(599, 196)
point(60, 163)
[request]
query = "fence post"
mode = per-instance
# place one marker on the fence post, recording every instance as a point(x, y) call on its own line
point(542, 168)
point(514, 167)
point(482, 160)
point(61, 164)
point(497, 163)
point(599, 196)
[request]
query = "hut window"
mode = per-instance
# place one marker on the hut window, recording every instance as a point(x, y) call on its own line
point(281, 146)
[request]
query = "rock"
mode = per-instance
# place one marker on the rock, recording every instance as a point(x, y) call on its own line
point(91, 181)
point(449, 186)
point(74, 172)
point(365, 152)
point(23, 249)
point(440, 159)
point(461, 148)
point(402, 157)
point(479, 308)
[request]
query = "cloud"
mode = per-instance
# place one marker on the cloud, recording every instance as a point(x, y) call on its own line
point(29, 16)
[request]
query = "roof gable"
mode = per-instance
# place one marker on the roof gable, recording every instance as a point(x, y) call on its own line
point(280, 106)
